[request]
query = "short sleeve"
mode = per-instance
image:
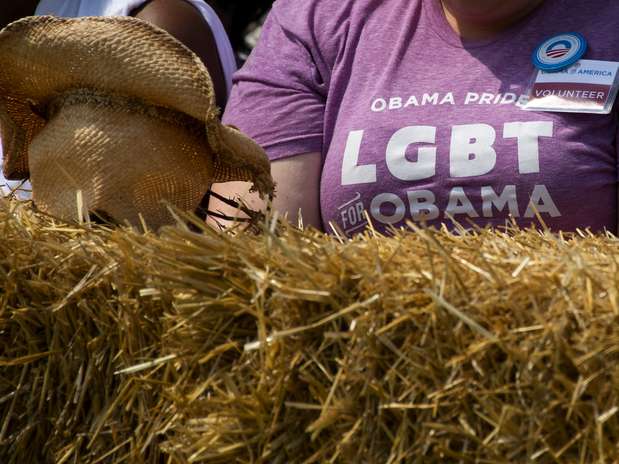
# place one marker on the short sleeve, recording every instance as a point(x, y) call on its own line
point(278, 97)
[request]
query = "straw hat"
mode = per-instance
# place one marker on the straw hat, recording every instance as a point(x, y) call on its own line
point(114, 116)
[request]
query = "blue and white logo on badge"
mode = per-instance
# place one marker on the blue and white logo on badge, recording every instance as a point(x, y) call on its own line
point(560, 52)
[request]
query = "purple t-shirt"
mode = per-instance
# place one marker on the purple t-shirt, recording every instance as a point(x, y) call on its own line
point(415, 124)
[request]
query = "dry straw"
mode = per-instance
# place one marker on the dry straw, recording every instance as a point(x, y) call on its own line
point(297, 347)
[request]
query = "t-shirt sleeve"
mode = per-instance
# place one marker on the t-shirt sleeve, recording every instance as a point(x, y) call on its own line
point(278, 97)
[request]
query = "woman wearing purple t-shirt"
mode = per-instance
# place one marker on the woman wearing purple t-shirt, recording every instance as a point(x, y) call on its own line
point(412, 110)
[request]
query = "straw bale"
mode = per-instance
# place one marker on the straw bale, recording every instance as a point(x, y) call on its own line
point(294, 346)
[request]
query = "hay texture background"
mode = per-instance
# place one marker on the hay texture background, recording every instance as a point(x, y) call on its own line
point(297, 347)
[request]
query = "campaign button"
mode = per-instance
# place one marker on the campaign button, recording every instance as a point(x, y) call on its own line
point(560, 52)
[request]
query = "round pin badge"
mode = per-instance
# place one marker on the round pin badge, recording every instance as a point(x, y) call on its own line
point(560, 52)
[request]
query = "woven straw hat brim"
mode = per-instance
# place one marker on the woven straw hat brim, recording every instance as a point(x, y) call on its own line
point(44, 57)
point(122, 176)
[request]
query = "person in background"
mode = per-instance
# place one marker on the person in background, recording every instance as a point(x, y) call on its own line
point(413, 110)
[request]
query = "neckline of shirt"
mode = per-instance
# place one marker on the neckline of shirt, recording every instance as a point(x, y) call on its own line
point(440, 25)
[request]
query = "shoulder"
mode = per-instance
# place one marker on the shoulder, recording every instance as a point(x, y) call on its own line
point(324, 26)
point(185, 22)
point(308, 19)
point(323, 16)
point(171, 12)
point(586, 18)
point(597, 21)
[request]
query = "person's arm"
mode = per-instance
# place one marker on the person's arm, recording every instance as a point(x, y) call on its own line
point(183, 21)
point(279, 100)
point(298, 190)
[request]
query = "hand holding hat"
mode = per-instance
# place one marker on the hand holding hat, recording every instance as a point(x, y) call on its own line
point(119, 110)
